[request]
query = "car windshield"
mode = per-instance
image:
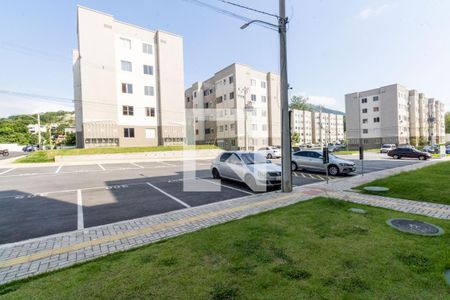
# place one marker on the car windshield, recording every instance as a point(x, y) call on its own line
point(253, 158)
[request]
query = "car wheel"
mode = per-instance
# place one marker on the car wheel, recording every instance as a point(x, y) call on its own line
point(215, 174)
point(250, 182)
point(421, 157)
point(294, 166)
point(269, 156)
point(396, 156)
point(333, 170)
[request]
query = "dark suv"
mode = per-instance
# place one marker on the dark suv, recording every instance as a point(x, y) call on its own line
point(409, 153)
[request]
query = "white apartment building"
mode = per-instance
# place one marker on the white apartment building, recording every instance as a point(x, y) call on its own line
point(393, 115)
point(317, 127)
point(237, 108)
point(34, 128)
point(128, 84)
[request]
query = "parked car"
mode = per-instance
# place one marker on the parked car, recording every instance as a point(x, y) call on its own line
point(4, 152)
point(270, 152)
point(409, 153)
point(447, 150)
point(295, 149)
point(312, 160)
point(431, 149)
point(385, 148)
point(251, 168)
point(29, 148)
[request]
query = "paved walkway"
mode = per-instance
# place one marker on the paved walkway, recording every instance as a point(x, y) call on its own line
point(32, 257)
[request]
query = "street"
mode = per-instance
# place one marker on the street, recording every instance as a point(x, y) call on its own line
point(45, 200)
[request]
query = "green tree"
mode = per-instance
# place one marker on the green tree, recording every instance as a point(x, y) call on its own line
point(70, 139)
point(447, 123)
point(300, 103)
point(295, 139)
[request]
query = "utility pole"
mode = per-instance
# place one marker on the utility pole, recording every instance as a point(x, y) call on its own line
point(39, 131)
point(285, 125)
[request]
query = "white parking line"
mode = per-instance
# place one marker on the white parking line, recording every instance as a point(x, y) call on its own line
point(167, 164)
point(135, 164)
point(101, 167)
point(59, 169)
point(4, 172)
point(80, 222)
point(226, 186)
point(168, 195)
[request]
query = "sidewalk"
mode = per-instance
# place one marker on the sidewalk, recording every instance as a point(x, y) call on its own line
point(32, 257)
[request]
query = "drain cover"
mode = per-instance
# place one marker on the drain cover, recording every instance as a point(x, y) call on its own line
point(357, 210)
point(447, 276)
point(376, 189)
point(415, 227)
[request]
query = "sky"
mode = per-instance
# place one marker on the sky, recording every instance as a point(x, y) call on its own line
point(334, 47)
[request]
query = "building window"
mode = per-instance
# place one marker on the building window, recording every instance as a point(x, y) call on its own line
point(375, 98)
point(365, 131)
point(365, 121)
point(252, 82)
point(230, 79)
point(364, 111)
point(126, 43)
point(147, 48)
point(263, 99)
point(376, 109)
point(226, 127)
point(127, 88)
point(225, 97)
point(253, 97)
point(263, 84)
point(232, 127)
point(196, 131)
point(126, 66)
point(195, 94)
point(254, 126)
point(231, 95)
point(376, 120)
point(148, 70)
point(128, 110)
point(128, 132)
point(150, 111)
point(150, 133)
point(207, 131)
point(221, 128)
point(188, 99)
point(150, 91)
point(364, 100)
point(264, 127)
point(219, 99)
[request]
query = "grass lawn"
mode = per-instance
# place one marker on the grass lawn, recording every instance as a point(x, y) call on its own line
point(49, 156)
point(429, 184)
point(310, 250)
point(345, 152)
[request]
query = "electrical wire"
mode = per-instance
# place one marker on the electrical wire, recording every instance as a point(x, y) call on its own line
point(249, 8)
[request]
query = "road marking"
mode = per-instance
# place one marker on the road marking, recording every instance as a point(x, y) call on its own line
point(135, 164)
point(295, 174)
point(59, 169)
point(320, 177)
point(4, 172)
point(226, 186)
point(101, 167)
point(167, 164)
point(80, 210)
point(168, 195)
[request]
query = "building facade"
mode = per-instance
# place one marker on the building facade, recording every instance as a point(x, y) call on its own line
point(317, 127)
point(237, 108)
point(128, 84)
point(393, 115)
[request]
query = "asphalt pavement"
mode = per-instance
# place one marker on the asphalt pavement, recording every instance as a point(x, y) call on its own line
point(39, 201)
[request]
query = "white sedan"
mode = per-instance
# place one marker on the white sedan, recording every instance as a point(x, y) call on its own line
point(250, 168)
point(270, 152)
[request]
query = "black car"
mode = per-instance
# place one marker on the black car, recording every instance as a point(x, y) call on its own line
point(408, 153)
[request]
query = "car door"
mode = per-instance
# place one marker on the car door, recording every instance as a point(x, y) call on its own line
point(222, 165)
point(301, 159)
point(409, 153)
point(316, 161)
point(236, 167)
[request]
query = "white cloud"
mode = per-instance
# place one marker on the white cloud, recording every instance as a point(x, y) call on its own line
point(14, 105)
point(328, 102)
point(372, 11)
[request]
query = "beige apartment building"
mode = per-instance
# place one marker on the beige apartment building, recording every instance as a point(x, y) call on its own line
point(317, 127)
point(128, 84)
point(393, 115)
point(237, 108)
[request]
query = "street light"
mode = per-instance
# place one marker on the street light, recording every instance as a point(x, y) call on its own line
point(285, 123)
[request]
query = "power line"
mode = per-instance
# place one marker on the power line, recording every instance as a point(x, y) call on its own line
point(249, 8)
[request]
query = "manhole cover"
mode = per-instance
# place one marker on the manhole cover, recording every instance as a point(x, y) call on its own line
point(376, 189)
point(357, 210)
point(415, 227)
point(447, 276)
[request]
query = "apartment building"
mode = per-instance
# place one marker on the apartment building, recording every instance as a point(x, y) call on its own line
point(128, 84)
point(237, 108)
point(393, 115)
point(317, 127)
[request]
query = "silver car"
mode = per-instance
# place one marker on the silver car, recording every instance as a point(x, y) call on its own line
point(312, 160)
point(251, 168)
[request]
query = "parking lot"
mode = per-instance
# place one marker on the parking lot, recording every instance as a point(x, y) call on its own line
point(39, 201)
